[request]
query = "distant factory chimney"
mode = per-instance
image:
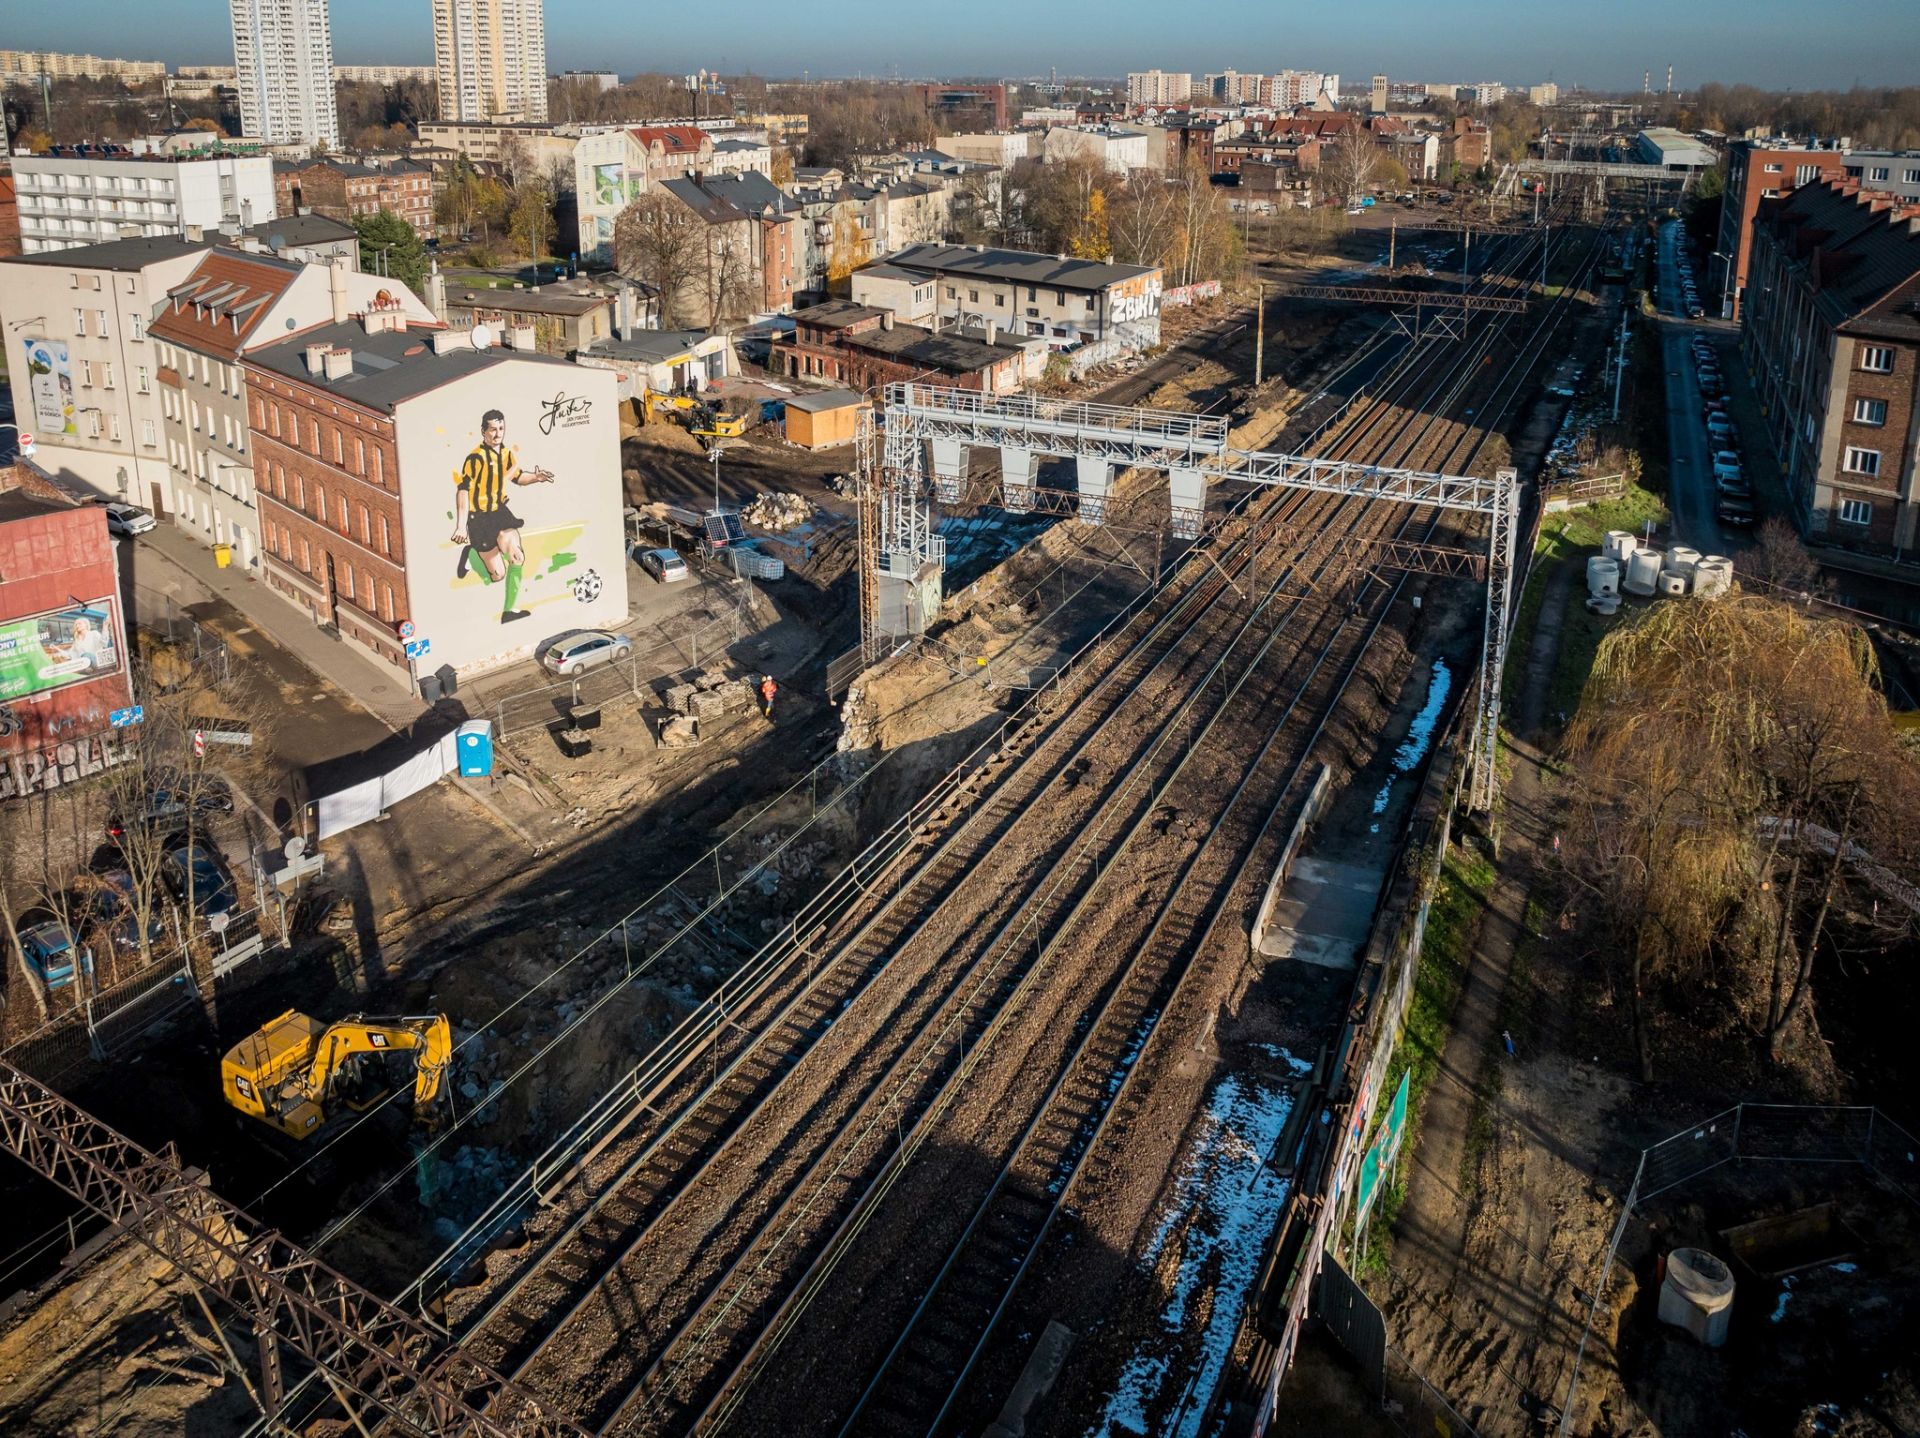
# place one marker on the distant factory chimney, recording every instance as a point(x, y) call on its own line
point(1669, 79)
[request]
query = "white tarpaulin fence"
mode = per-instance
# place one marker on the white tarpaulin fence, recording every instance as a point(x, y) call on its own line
point(337, 812)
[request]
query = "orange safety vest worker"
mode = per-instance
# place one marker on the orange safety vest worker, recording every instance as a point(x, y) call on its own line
point(767, 690)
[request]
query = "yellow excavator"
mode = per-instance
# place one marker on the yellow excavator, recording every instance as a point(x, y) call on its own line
point(293, 1069)
point(703, 420)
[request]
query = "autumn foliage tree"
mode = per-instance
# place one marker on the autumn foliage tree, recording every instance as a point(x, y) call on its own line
point(1746, 806)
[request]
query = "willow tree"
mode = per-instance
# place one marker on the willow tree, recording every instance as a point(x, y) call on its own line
point(1747, 801)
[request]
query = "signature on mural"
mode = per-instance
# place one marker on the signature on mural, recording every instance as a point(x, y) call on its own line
point(564, 411)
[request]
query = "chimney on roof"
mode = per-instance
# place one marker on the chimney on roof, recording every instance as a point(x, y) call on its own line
point(338, 361)
point(520, 337)
point(316, 358)
point(337, 286)
point(886, 320)
point(445, 341)
point(992, 331)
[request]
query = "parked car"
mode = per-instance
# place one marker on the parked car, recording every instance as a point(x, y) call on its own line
point(1720, 429)
point(1731, 510)
point(128, 519)
point(1725, 461)
point(198, 877)
point(665, 565)
point(51, 952)
point(1710, 385)
point(174, 801)
point(576, 653)
point(109, 907)
point(1733, 486)
point(1694, 311)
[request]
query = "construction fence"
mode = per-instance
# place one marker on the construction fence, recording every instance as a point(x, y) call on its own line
point(1860, 1137)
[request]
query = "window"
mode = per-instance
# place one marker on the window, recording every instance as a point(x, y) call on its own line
point(1806, 428)
point(1032, 293)
point(384, 548)
point(140, 379)
point(313, 435)
point(1861, 461)
point(80, 324)
point(1911, 177)
point(386, 601)
point(306, 557)
point(1879, 173)
point(1869, 411)
point(146, 433)
point(320, 504)
point(973, 297)
point(951, 292)
point(193, 409)
point(113, 428)
point(138, 323)
point(1876, 359)
point(106, 373)
point(1769, 169)
point(1856, 511)
point(101, 316)
point(1000, 301)
point(359, 455)
point(346, 581)
point(273, 419)
point(1769, 194)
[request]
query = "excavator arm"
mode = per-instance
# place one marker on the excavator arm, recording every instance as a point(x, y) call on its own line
point(351, 1037)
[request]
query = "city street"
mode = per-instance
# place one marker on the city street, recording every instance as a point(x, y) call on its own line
point(1690, 462)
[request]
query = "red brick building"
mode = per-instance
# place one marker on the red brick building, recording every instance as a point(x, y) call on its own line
point(863, 348)
point(1758, 171)
point(1832, 335)
point(346, 190)
point(63, 637)
point(9, 217)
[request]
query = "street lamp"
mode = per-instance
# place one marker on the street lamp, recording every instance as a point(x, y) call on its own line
point(1726, 282)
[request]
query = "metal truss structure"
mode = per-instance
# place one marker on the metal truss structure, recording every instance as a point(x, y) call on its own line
point(385, 1367)
point(930, 429)
point(1604, 169)
point(1396, 295)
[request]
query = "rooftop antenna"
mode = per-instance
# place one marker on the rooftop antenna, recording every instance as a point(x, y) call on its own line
point(1646, 82)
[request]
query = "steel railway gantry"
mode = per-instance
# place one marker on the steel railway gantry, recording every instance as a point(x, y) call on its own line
point(917, 458)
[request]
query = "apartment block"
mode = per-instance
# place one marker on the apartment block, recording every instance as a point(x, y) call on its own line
point(1832, 337)
point(83, 369)
point(1757, 171)
point(92, 194)
point(232, 302)
point(32, 64)
point(283, 65)
point(344, 189)
point(490, 57)
point(1159, 87)
point(406, 478)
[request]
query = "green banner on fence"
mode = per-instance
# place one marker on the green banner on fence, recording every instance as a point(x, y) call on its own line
point(1380, 1158)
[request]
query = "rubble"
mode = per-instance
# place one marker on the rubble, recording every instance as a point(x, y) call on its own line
point(679, 731)
point(777, 513)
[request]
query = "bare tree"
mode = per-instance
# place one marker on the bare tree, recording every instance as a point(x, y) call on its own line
point(1747, 802)
point(1778, 563)
point(1350, 165)
point(657, 241)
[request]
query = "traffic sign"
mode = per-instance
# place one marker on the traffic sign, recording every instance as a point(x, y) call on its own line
point(406, 629)
point(121, 718)
point(26, 444)
point(417, 648)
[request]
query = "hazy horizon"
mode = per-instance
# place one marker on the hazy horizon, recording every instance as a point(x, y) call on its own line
point(1767, 43)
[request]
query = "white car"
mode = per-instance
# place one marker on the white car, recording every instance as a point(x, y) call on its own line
point(128, 519)
point(663, 564)
point(574, 654)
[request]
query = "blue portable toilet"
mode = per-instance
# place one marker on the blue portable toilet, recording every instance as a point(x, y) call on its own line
point(473, 742)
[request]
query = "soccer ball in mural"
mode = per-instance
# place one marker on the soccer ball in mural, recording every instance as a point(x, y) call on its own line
point(586, 588)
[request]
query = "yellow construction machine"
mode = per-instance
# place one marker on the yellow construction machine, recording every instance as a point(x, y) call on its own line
point(703, 420)
point(291, 1071)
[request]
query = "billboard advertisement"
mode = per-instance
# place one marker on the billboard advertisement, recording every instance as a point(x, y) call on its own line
point(50, 651)
point(512, 499)
point(50, 383)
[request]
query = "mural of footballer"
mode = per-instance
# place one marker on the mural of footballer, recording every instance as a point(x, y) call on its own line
point(482, 522)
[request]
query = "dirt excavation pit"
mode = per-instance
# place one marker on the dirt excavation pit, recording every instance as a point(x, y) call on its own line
point(1822, 1333)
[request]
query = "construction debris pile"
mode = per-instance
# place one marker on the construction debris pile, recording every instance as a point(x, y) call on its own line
point(712, 693)
point(778, 513)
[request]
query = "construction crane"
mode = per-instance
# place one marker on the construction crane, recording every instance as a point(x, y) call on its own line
point(290, 1071)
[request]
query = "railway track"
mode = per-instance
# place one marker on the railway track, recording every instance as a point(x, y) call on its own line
point(897, 1016)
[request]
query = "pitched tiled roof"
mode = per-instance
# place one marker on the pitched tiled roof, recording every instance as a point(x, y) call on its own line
point(1862, 251)
point(214, 309)
point(672, 139)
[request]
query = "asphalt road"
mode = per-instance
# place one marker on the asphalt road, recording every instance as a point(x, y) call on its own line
point(1690, 460)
